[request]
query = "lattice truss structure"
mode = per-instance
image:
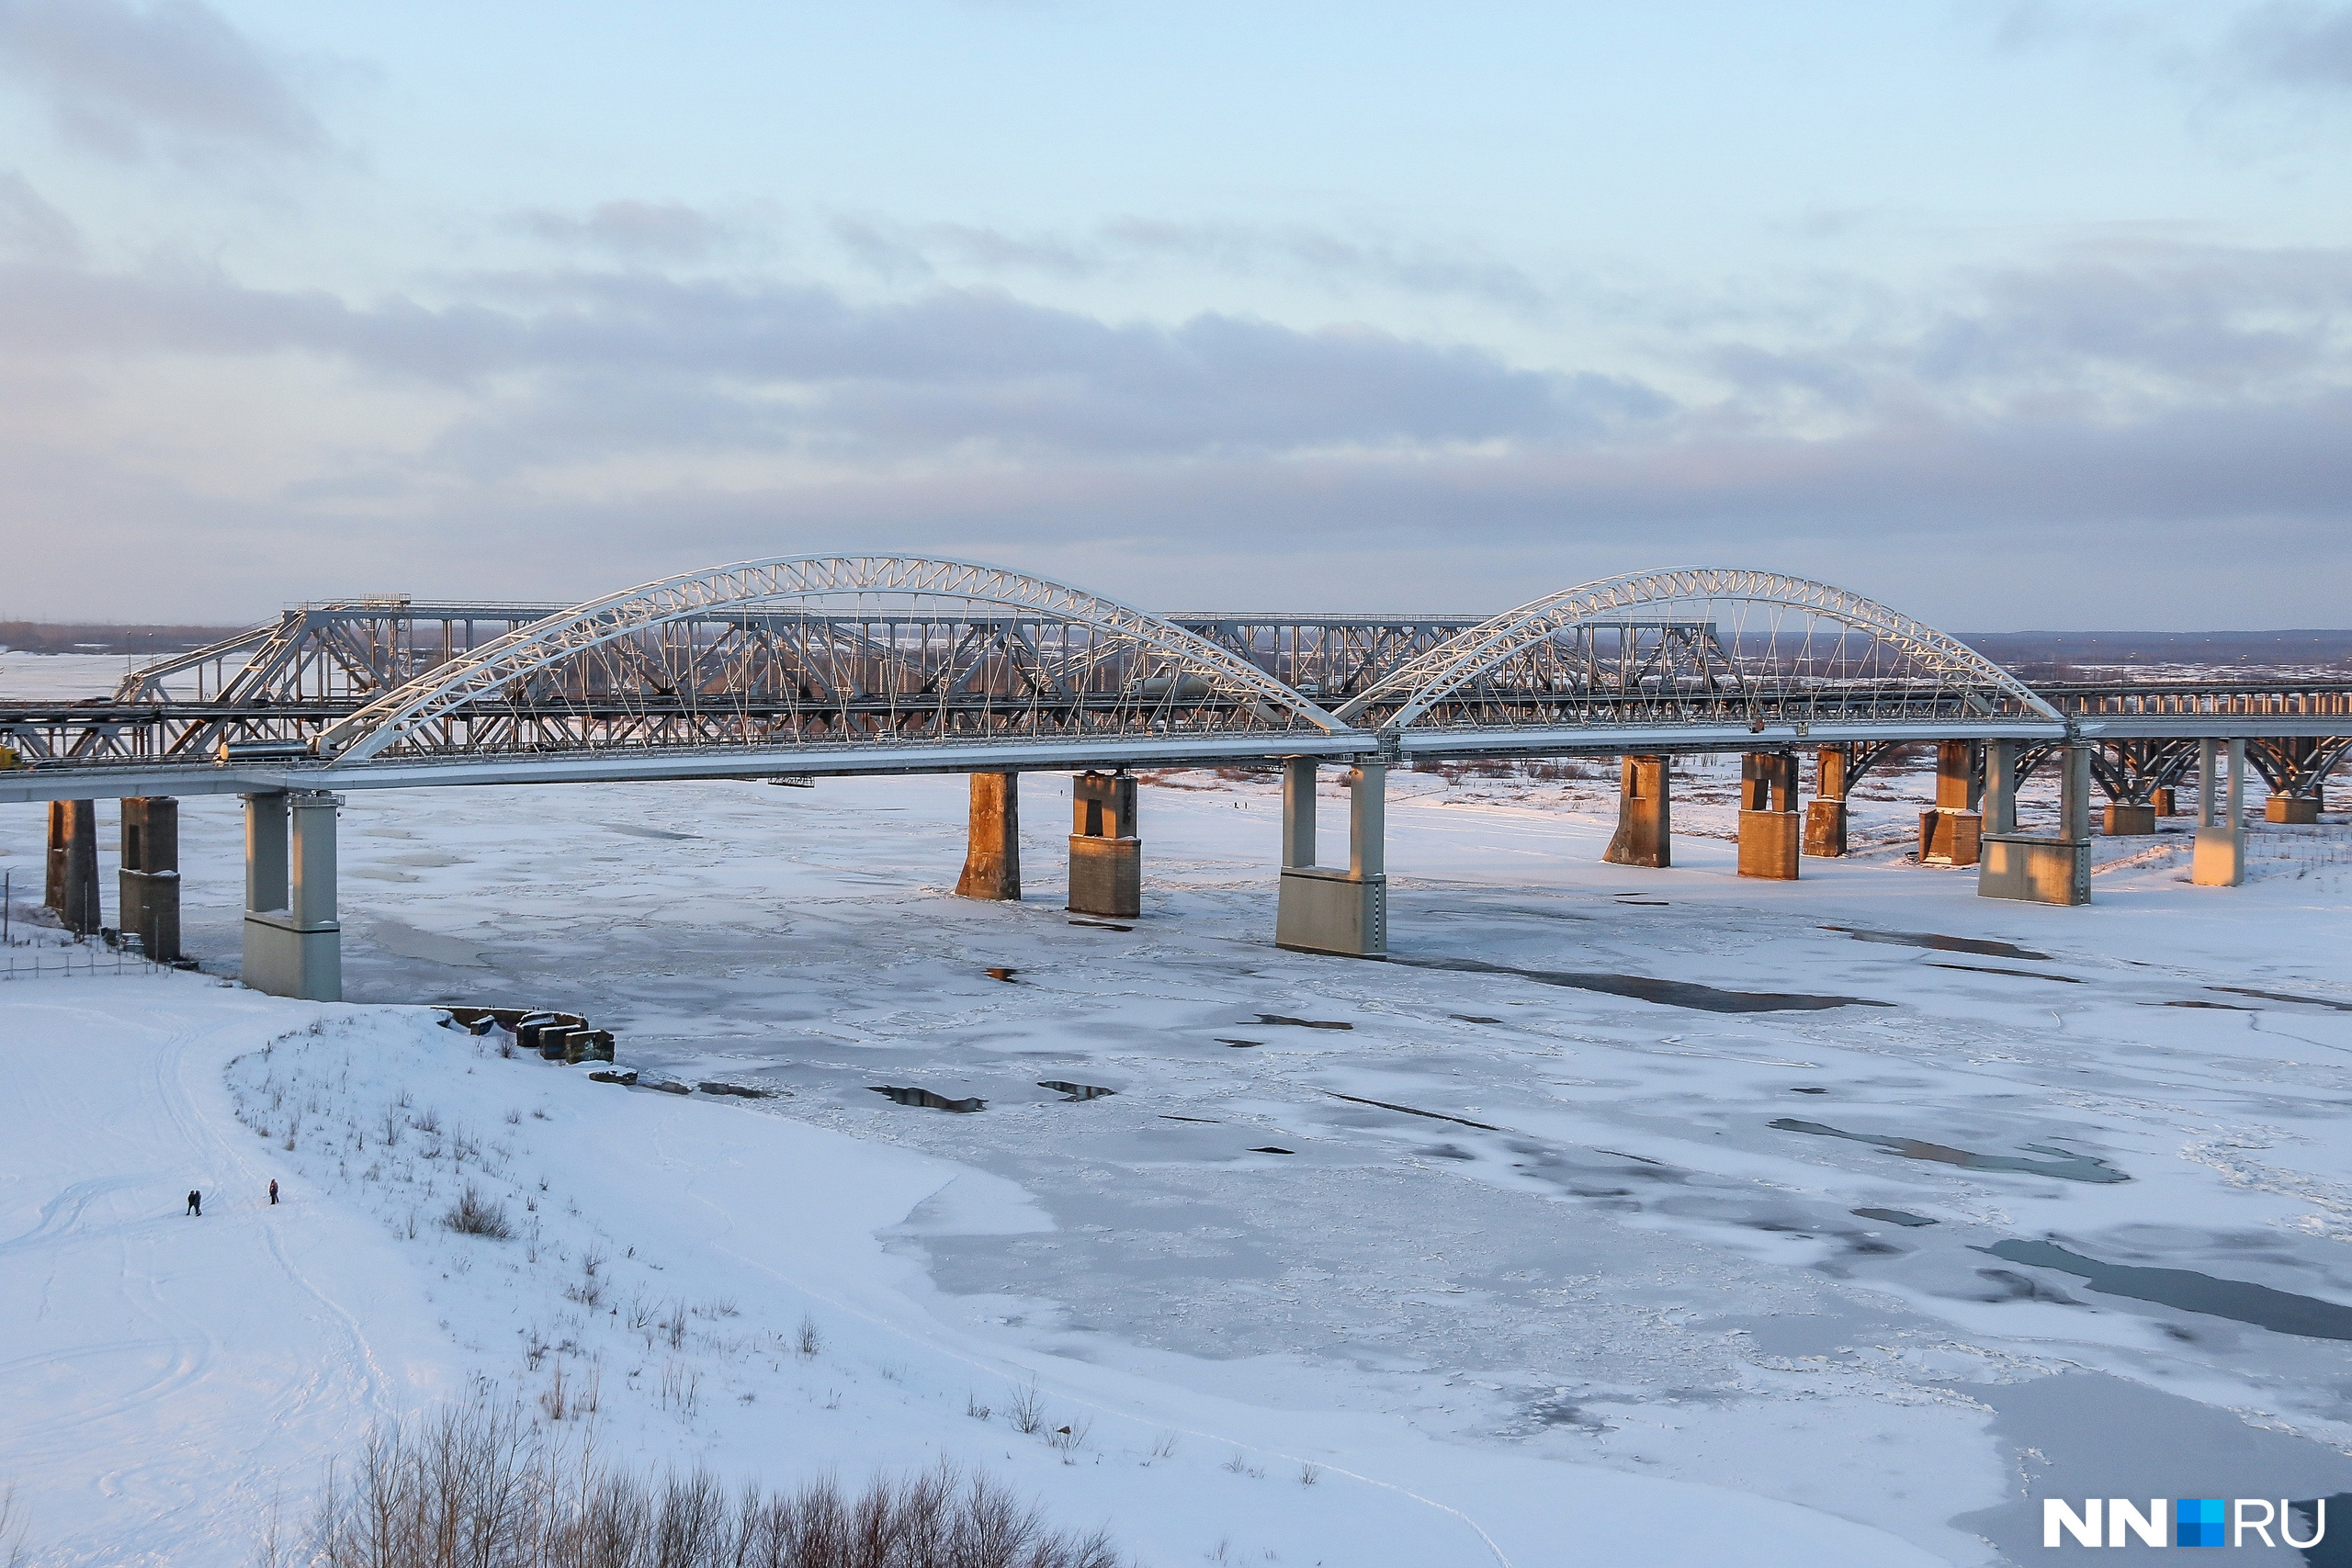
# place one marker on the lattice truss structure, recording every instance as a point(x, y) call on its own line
point(808, 651)
point(1694, 645)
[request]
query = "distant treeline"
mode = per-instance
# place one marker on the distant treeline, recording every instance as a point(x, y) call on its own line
point(2036, 655)
point(72, 637)
point(2060, 655)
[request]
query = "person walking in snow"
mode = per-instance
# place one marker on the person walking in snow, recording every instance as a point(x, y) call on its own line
point(195, 1204)
point(273, 1191)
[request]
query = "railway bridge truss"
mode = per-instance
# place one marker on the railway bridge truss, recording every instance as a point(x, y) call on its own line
point(805, 666)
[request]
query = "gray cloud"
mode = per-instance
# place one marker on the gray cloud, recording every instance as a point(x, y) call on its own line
point(950, 369)
point(2297, 41)
point(1124, 246)
point(30, 229)
point(170, 78)
point(637, 230)
point(2118, 404)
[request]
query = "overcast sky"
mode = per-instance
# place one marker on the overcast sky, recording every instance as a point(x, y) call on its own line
point(2011, 316)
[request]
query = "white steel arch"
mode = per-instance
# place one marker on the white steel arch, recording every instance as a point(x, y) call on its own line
point(1438, 674)
point(748, 584)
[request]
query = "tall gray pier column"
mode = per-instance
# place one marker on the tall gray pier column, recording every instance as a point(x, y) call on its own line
point(293, 943)
point(1323, 909)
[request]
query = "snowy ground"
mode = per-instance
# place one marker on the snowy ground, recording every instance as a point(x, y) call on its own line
point(1618, 1310)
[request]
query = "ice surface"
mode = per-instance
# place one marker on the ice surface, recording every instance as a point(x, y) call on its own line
point(1541, 1273)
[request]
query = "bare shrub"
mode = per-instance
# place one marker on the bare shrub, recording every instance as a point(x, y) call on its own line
point(474, 1215)
point(1027, 1411)
point(808, 1342)
point(483, 1486)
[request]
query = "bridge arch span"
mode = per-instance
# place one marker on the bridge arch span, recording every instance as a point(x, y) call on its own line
point(1700, 643)
point(935, 631)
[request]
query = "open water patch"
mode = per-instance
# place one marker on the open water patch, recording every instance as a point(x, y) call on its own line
point(2240, 1301)
point(635, 831)
point(2062, 1164)
point(2283, 996)
point(1301, 1022)
point(928, 1101)
point(1982, 946)
point(1409, 1111)
point(1895, 1216)
point(1075, 1091)
point(1642, 988)
point(2012, 974)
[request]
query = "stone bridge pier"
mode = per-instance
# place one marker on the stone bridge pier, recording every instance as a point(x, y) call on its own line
point(1825, 814)
point(293, 942)
point(1769, 831)
point(149, 882)
point(1105, 856)
point(993, 852)
point(1951, 831)
point(1644, 833)
point(70, 887)
point(1323, 909)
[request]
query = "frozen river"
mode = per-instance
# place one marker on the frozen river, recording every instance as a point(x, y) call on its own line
point(1896, 1204)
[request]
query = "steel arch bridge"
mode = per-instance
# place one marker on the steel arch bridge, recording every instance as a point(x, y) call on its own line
point(1698, 651)
point(885, 663)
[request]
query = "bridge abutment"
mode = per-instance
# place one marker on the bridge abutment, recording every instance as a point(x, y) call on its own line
point(1769, 826)
point(2036, 868)
point(2219, 859)
point(149, 882)
point(992, 858)
point(1825, 814)
point(71, 883)
point(1951, 832)
point(1105, 856)
point(1324, 909)
point(293, 941)
point(1644, 833)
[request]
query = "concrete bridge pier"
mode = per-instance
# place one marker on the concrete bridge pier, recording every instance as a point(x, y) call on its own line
point(992, 858)
point(2219, 859)
point(1644, 833)
point(293, 943)
point(2125, 819)
point(2036, 868)
point(1769, 827)
point(72, 884)
point(1105, 856)
point(1951, 832)
point(149, 881)
point(2296, 808)
point(2161, 803)
point(1825, 814)
point(1324, 909)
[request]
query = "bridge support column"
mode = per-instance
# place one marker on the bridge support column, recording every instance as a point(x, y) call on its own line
point(1324, 909)
point(1769, 827)
point(992, 859)
point(1825, 814)
point(2121, 819)
point(2031, 867)
point(1105, 856)
point(2219, 859)
point(2299, 808)
point(72, 884)
point(149, 878)
point(2161, 801)
point(1644, 815)
point(1951, 833)
point(293, 942)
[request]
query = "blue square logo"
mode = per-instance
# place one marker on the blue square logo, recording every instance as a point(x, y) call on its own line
point(2197, 1521)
